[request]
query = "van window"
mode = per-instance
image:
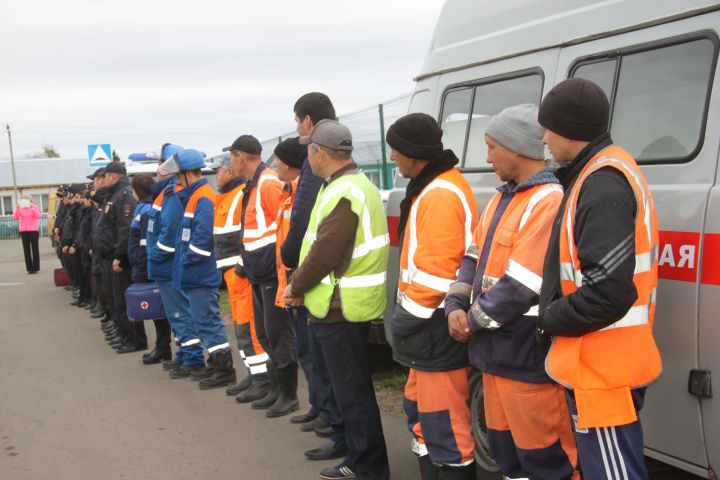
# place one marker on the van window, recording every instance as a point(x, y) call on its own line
point(466, 111)
point(659, 98)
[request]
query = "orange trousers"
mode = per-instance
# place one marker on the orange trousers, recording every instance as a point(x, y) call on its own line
point(241, 306)
point(436, 404)
point(529, 429)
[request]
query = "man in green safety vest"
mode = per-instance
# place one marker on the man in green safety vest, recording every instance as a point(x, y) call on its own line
point(341, 281)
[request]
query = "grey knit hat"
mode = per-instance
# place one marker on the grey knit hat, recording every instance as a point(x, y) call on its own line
point(517, 129)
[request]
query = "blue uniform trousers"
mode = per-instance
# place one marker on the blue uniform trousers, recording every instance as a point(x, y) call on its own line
point(611, 453)
point(205, 312)
point(177, 311)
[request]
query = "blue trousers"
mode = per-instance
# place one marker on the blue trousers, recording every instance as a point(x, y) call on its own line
point(177, 311)
point(205, 313)
point(611, 453)
point(320, 391)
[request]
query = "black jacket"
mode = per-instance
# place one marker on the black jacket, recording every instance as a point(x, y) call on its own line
point(308, 187)
point(113, 230)
point(71, 223)
point(605, 238)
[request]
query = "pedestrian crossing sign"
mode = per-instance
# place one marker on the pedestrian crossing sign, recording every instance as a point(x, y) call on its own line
point(99, 155)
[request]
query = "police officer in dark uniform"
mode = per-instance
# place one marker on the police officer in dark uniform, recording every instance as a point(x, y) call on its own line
point(111, 243)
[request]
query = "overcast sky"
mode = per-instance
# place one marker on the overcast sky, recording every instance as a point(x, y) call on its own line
point(136, 74)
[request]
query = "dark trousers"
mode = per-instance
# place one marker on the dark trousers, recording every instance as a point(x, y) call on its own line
point(611, 452)
point(344, 346)
point(162, 335)
point(274, 327)
point(320, 393)
point(120, 282)
point(105, 268)
point(30, 249)
point(73, 267)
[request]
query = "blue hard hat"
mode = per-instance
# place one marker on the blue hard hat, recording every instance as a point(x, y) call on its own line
point(189, 159)
point(168, 150)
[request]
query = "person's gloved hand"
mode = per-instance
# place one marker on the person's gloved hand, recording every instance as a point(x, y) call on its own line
point(240, 271)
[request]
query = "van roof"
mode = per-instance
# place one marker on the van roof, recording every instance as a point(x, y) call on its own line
point(469, 32)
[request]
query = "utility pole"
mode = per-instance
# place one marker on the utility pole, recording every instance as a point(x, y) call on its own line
point(12, 162)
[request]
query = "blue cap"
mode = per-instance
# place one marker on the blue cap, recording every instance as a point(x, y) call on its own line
point(189, 159)
point(168, 150)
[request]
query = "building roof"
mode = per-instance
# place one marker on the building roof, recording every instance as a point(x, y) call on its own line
point(31, 172)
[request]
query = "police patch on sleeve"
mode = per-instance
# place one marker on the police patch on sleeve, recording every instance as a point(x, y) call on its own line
point(127, 211)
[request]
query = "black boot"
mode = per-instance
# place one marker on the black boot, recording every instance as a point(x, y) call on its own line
point(255, 392)
point(268, 400)
point(204, 372)
point(156, 356)
point(223, 372)
point(428, 470)
point(171, 364)
point(239, 387)
point(457, 473)
point(287, 402)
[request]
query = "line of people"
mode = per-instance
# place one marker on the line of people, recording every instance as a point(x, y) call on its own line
point(567, 254)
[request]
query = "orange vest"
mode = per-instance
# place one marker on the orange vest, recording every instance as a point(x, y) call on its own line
point(157, 203)
point(283, 227)
point(227, 227)
point(521, 237)
point(206, 191)
point(438, 232)
point(602, 367)
point(262, 205)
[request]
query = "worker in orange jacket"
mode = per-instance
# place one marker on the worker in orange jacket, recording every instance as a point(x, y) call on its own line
point(493, 305)
point(226, 236)
point(437, 218)
point(598, 292)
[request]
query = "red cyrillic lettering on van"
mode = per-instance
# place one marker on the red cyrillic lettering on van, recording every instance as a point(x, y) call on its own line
point(678, 255)
point(392, 230)
point(711, 260)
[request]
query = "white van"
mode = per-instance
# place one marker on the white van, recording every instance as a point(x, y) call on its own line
point(656, 60)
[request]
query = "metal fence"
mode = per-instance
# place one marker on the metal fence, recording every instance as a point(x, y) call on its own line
point(10, 228)
point(368, 127)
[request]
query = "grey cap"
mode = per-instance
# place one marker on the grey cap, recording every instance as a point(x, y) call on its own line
point(330, 134)
point(517, 129)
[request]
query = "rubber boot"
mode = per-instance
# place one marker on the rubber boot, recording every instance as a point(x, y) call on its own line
point(268, 400)
point(239, 387)
point(428, 470)
point(223, 371)
point(287, 402)
point(457, 473)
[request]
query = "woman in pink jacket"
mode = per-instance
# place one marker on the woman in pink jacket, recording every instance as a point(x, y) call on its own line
point(28, 215)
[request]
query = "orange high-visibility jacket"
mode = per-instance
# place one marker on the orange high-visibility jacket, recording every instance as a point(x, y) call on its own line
point(439, 231)
point(603, 366)
point(260, 207)
point(227, 233)
point(283, 227)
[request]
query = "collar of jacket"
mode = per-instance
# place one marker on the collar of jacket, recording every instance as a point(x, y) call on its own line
point(232, 184)
point(546, 175)
point(120, 184)
point(187, 192)
point(342, 171)
point(568, 173)
point(256, 176)
point(158, 187)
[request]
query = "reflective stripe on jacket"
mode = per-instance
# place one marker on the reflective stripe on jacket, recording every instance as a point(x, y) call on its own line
point(439, 231)
point(259, 233)
point(227, 227)
point(603, 366)
point(195, 264)
point(362, 287)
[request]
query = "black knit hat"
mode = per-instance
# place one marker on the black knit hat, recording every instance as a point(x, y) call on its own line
point(291, 153)
point(416, 135)
point(576, 109)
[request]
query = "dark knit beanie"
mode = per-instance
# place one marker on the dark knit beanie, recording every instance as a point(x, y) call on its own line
point(576, 109)
point(416, 135)
point(291, 153)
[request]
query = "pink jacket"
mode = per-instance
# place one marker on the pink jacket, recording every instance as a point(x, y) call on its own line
point(29, 218)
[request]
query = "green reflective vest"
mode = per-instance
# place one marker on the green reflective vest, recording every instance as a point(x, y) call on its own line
point(362, 288)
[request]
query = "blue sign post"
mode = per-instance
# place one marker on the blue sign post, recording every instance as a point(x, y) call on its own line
point(99, 155)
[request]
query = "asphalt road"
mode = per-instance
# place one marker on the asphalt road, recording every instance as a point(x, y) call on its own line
point(71, 408)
